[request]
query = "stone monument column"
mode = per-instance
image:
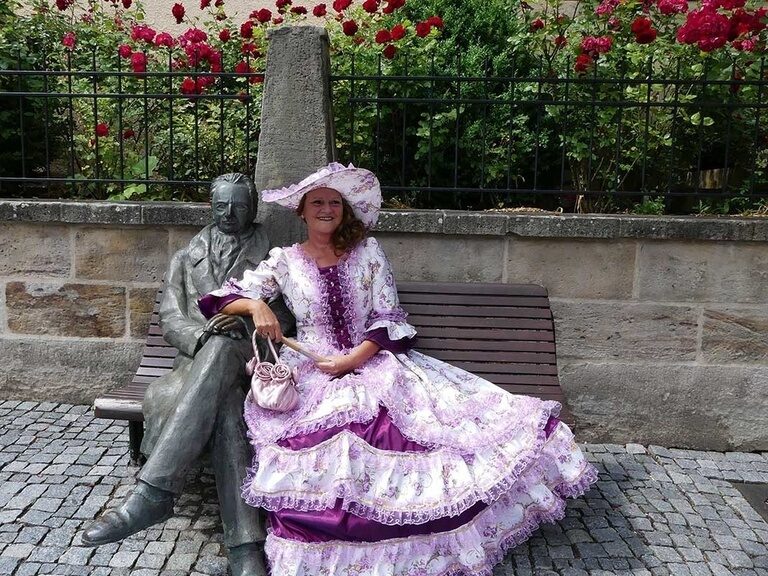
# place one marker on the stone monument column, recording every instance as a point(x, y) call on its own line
point(296, 121)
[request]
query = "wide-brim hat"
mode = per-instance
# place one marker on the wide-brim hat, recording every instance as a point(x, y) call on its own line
point(358, 186)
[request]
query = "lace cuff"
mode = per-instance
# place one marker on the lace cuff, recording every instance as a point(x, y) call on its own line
point(396, 330)
point(381, 337)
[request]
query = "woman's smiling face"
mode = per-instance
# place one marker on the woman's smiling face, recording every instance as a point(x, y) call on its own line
point(323, 210)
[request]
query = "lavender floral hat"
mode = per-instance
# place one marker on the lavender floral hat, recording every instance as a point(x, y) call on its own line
point(358, 186)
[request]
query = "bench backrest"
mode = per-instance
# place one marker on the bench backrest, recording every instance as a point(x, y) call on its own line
point(502, 332)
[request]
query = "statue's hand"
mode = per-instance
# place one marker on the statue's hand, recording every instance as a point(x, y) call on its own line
point(226, 325)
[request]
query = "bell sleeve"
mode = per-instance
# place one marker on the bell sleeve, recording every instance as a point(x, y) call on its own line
point(386, 323)
point(263, 283)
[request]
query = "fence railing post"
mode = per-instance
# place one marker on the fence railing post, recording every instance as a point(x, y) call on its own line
point(296, 120)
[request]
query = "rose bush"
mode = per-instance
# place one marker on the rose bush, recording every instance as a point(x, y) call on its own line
point(201, 120)
point(687, 82)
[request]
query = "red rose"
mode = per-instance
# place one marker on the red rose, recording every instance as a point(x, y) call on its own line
point(142, 32)
point(614, 23)
point(178, 12)
point(640, 23)
point(398, 31)
point(243, 67)
point(383, 36)
point(278, 20)
point(225, 35)
point(68, 40)
point(102, 129)
point(422, 29)
point(371, 6)
point(204, 4)
point(64, 4)
point(125, 51)
point(204, 81)
point(320, 10)
point(435, 21)
point(670, 7)
point(281, 4)
point(246, 29)
point(583, 62)
point(218, 3)
point(139, 62)
point(128, 134)
point(248, 48)
point(341, 5)
point(646, 36)
point(193, 36)
point(350, 27)
point(606, 7)
point(127, 4)
point(263, 15)
point(537, 24)
point(188, 86)
point(300, 10)
point(164, 39)
point(599, 45)
point(560, 40)
point(389, 51)
point(393, 5)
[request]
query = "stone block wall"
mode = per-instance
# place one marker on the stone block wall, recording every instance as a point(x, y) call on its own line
point(662, 328)
point(78, 283)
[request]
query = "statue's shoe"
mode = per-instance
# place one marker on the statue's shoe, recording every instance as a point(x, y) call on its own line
point(144, 507)
point(247, 560)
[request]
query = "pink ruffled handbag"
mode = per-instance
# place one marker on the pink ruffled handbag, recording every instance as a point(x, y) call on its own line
point(272, 385)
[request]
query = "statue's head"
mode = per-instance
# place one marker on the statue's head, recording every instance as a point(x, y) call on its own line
point(234, 202)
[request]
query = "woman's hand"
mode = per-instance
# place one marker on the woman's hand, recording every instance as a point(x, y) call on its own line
point(337, 365)
point(267, 325)
point(343, 363)
point(265, 321)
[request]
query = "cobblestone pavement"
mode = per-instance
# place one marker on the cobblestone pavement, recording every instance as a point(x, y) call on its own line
point(654, 511)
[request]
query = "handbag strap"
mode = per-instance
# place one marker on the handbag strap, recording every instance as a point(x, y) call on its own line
point(256, 347)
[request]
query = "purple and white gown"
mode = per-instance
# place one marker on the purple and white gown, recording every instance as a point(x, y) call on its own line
point(406, 466)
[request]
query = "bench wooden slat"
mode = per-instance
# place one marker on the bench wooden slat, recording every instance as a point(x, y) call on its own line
point(500, 301)
point(478, 334)
point(504, 357)
point(506, 379)
point(480, 312)
point(511, 367)
point(157, 362)
point(160, 351)
point(471, 288)
point(485, 322)
point(493, 345)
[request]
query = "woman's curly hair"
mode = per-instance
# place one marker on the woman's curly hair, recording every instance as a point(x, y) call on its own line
point(350, 232)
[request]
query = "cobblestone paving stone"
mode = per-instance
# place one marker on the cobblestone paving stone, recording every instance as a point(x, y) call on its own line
point(655, 511)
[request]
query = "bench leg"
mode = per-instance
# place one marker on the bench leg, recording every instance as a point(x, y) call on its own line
point(135, 436)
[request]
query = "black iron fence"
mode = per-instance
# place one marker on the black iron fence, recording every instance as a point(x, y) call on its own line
point(446, 135)
point(438, 135)
point(115, 133)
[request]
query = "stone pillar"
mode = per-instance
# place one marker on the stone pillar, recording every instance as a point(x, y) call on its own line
point(296, 121)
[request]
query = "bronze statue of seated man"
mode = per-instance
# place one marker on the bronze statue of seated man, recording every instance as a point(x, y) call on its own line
point(199, 404)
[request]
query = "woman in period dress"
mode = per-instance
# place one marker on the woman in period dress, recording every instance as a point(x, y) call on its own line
point(393, 462)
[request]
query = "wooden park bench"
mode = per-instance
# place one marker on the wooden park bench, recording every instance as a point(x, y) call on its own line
point(502, 332)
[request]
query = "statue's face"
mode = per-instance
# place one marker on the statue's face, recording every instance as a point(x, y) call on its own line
point(232, 212)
